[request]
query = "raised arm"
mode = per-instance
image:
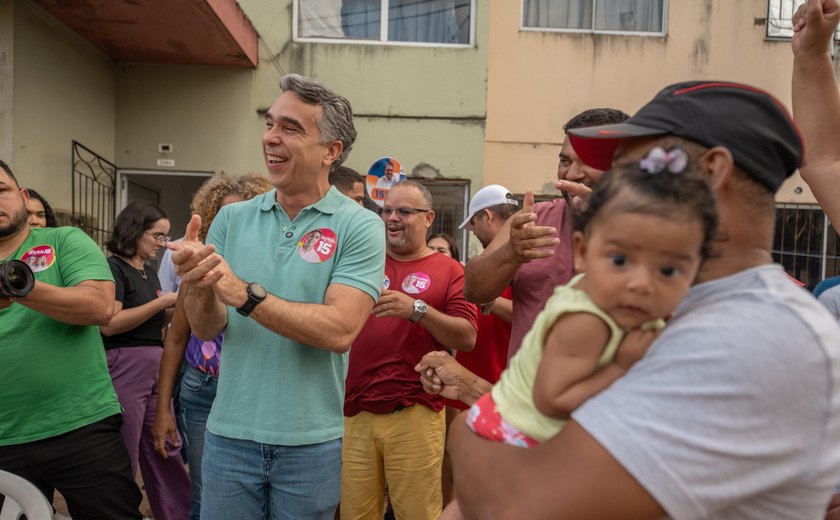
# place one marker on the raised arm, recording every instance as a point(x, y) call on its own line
point(816, 102)
point(196, 264)
point(518, 241)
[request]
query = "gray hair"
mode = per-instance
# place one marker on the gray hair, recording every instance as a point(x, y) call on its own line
point(336, 120)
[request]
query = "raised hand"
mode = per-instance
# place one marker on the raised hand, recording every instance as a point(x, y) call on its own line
point(578, 191)
point(195, 262)
point(814, 24)
point(527, 240)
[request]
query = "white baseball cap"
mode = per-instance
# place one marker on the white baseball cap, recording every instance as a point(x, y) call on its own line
point(486, 197)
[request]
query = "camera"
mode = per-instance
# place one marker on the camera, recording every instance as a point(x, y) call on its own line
point(16, 279)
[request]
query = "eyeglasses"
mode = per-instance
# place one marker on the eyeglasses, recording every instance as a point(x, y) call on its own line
point(159, 237)
point(402, 212)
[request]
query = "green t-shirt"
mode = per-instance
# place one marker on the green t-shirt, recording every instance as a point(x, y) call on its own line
point(53, 376)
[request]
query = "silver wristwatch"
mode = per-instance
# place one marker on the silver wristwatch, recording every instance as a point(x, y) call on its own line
point(420, 310)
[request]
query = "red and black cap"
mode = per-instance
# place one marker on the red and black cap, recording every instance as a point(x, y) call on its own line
point(753, 125)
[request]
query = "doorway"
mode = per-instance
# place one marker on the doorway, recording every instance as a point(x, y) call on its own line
point(171, 190)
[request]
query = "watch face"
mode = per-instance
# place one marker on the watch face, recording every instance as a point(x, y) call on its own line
point(420, 306)
point(257, 290)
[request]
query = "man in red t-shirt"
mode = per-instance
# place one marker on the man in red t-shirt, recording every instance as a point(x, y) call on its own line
point(394, 431)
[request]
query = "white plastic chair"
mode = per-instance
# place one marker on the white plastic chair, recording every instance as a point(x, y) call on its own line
point(22, 498)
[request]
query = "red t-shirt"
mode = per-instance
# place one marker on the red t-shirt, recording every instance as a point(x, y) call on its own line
point(381, 376)
point(490, 356)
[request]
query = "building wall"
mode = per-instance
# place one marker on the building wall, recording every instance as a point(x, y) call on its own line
point(539, 80)
point(410, 102)
point(64, 89)
point(6, 79)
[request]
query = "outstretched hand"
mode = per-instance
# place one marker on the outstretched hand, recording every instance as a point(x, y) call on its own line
point(195, 262)
point(814, 24)
point(527, 240)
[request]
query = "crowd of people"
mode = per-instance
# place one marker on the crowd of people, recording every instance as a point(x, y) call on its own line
point(629, 350)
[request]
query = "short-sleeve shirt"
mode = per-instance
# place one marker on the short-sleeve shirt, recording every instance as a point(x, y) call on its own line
point(134, 289)
point(382, 360)
point(534, 281)
point(275, 390)
point(490, 356)
point(733, 412)
point(514, 393)
point(53, 377)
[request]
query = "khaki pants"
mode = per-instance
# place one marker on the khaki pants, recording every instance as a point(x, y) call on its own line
point(403, 449)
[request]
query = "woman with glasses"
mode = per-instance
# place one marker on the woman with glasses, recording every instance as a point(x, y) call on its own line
point(133, 347)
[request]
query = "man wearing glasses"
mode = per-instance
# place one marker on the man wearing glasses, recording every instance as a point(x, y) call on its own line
point(394, 431)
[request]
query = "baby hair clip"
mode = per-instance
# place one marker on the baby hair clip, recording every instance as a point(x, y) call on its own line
point(657, 160)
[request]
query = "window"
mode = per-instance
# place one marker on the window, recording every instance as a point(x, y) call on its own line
point(600, 16)
point(805, 243)
point(780, 18)
point(450, 197)
point(430, 22)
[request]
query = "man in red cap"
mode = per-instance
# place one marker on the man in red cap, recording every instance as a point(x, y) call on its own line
point(732, 413)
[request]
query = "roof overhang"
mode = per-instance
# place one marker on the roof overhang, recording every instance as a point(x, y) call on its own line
point(182, 32)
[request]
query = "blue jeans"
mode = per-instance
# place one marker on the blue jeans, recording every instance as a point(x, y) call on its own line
point(198, 389)
point(250, 480)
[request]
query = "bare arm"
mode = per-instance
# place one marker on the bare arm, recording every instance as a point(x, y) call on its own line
point(503, 309)
point(331, 326)
point(212, 285)
point(567, 375)
point(519, 241)
point(563, 478)
point(90, 302)
point(174, 347)
point(195, 263)
point(441, 374)
point(450, 331)
point(127, 319)
point(816, 103)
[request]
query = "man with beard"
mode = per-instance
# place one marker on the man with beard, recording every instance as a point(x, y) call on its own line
point(60, 418)
point(394, 431)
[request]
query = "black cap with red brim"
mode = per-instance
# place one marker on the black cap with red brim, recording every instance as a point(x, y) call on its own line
point(749, 122)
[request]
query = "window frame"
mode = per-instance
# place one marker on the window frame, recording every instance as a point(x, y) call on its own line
point(645, 34)
point(781, 23)
point(383, 32)
point(795, 254)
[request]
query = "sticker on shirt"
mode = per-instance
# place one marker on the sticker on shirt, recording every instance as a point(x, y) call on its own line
point(416, 283)
point(386, 282)
point(317, 246)
point(39, 258)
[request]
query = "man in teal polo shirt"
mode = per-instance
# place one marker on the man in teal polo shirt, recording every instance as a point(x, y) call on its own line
point(292, 275)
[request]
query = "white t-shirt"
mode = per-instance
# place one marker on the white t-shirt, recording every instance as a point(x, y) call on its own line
point(734, 411)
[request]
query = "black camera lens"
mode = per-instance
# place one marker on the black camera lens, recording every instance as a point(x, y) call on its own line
point(16, 279)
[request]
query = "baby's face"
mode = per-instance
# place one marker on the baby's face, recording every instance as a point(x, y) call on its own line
point(639, 266)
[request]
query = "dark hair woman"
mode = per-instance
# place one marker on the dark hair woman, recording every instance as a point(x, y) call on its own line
point(133, 347)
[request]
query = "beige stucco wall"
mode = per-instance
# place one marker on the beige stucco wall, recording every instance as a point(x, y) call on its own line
point(6, 78)
point(538, 80)
point(63, 90)
point(411, 102)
